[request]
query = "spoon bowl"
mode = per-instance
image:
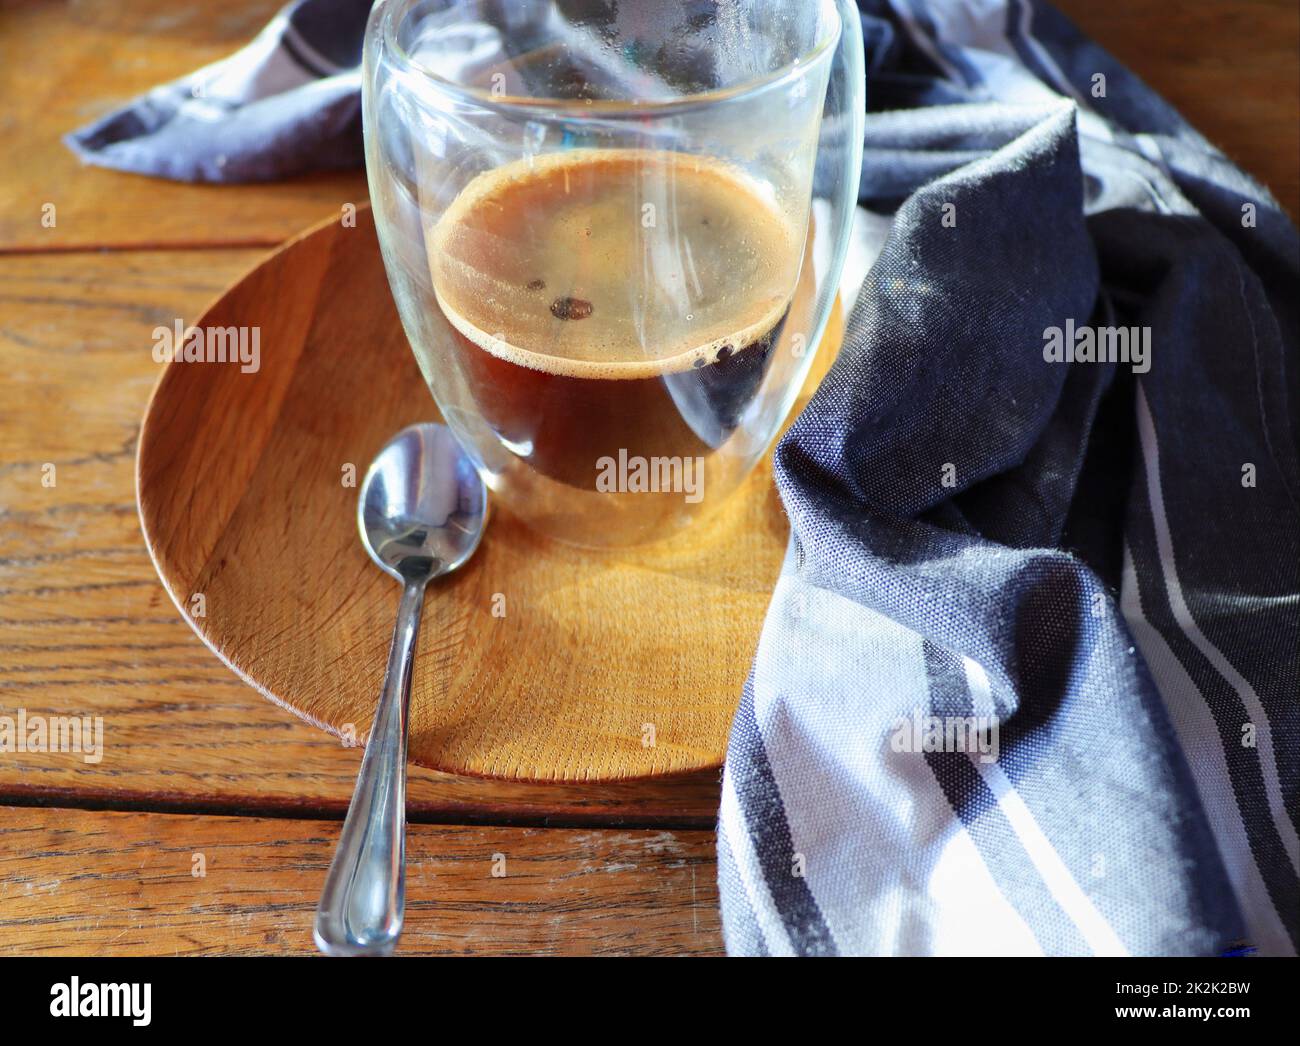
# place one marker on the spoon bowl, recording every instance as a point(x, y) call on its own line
point(422, 506)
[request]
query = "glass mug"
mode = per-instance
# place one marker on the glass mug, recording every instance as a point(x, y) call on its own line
point(597, 221)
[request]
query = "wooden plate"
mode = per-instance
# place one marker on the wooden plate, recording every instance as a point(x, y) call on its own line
point(536, 661)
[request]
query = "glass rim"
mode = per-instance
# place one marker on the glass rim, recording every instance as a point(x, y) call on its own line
point(393, 11)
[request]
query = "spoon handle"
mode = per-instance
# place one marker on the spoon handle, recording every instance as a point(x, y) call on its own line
point(360, 910)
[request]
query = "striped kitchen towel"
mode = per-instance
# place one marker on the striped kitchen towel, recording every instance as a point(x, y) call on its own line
point(1030, 679)
point(287, 103)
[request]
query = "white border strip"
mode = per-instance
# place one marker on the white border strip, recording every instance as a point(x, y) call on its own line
point(1183, 617)
point(1076, 904)
point(1198, 737)
point(751, 873)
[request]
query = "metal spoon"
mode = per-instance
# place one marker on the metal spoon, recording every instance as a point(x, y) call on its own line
point(421, 514)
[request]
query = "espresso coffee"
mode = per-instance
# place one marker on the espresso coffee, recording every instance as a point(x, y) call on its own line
point(613, 302)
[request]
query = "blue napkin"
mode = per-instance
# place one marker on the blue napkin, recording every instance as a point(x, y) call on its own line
point(287, 104)
point(1029, 681)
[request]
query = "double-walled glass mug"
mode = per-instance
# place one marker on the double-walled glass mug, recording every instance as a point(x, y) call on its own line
point(597, 218)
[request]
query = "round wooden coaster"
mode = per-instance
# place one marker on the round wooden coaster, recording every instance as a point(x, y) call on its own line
point(536, 661)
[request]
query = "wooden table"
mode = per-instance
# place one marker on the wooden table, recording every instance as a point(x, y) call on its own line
point(209, 822)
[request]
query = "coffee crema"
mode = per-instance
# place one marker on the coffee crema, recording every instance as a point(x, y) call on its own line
point(613, 300)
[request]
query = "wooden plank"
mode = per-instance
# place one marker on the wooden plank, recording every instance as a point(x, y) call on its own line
point(1231, 67)
point(64, 64)
point(85, 626)
point(80, 883)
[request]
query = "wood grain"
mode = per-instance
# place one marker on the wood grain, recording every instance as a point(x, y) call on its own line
point(537, 660)
point(63, 64)
point(79, 883)
point(85, 625)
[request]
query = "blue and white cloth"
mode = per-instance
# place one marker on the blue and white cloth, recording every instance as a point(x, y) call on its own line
point(1030, 679)
point(287, 103)
point(1098, 561)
